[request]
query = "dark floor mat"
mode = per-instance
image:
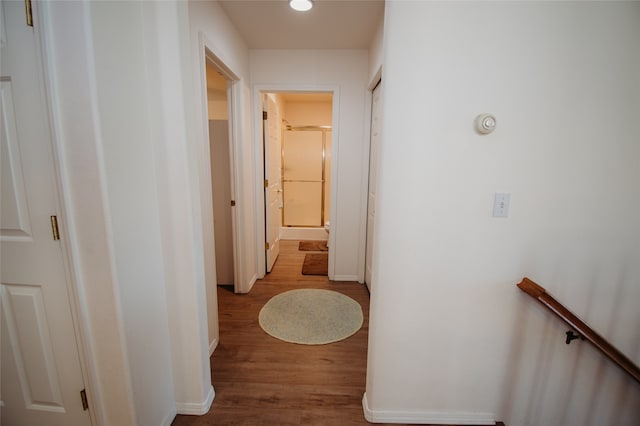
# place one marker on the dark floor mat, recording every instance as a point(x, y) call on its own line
point(315, 264)
point(313, 246)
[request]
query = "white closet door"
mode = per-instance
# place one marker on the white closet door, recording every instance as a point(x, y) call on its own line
point(41, 376)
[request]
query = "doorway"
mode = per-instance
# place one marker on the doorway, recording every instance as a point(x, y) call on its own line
point(220, 158)
point(297, 130)
point(305, 169)
point(220, 248)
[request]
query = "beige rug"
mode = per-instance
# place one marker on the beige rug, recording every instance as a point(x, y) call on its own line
point(316, 264)
point(311, 316)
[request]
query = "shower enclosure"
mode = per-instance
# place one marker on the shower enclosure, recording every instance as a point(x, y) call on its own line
point(306, 165)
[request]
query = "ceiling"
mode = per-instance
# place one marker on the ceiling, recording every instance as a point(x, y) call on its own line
point(331, 24)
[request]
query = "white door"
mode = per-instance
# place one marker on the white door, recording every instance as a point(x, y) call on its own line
point(273, 180)
point(41, 377)
point(376, 119)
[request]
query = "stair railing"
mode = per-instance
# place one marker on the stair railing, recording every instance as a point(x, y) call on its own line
point(583, 330)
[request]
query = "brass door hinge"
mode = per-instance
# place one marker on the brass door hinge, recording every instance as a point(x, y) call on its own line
point(266, 183)
point(233, 203)
point(83, 397)
point(28, 12)
point(266, 246)
point(54, 228)
point(264, 115)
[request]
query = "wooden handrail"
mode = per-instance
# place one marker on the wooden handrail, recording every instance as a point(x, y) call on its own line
point(540, 294)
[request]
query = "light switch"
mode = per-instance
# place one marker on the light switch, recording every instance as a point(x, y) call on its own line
point(501, 204)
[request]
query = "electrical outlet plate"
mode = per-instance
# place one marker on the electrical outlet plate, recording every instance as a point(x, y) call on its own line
point(501, 202)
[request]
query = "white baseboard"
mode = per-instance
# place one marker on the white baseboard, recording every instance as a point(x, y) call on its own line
point(252, 281)
point(318, 234)
point(212, 346)
point(345, 278)
point(249, 286)
point(196, 408)
point(426, 417)
point(169, 418)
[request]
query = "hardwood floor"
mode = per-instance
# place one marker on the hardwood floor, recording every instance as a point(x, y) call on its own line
point(261, 380)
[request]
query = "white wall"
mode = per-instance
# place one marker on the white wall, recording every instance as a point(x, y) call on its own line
point(347, 70)
point(133, 200)
point(308, 113)
point(71, 84)
point(121, 114)
point(210, 27)
point(450, 334)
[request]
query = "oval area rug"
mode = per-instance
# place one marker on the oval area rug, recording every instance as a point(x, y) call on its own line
point(311, 316)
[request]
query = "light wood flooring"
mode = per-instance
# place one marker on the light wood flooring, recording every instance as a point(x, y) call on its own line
point(260, 380)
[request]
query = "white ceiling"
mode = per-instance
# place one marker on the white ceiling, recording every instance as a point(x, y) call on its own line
point(331, 24)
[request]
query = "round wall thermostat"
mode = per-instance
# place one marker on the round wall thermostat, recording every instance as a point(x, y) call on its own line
point(485, 123)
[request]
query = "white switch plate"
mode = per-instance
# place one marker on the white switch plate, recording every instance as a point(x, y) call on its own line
point(501, 204)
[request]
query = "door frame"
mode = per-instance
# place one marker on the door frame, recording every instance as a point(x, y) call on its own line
point(269, 181)
point(206, 51)
point(377, 81)
point(213, 60)
point(366, 152)
point(258, 91)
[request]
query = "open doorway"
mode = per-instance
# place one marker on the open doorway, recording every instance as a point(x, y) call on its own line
point(221, 262)
point(220, 155)
point(297, 139)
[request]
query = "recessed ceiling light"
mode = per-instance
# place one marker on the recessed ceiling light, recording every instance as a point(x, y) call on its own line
point(301, 5)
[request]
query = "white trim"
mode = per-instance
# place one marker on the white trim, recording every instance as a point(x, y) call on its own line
point(252, 281)
point(213, 345)
point(258, 167)
point(364, 195)
point(434, 417)
point(335, 181)
point(168, 419)
point(209, 55)
point(345, 278)
point(259, 162)
point(366, 158)
point(196, 409)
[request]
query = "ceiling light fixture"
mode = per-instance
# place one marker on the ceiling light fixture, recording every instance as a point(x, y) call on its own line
point(301, 5)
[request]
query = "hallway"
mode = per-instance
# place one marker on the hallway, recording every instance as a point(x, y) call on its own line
point(261, 380)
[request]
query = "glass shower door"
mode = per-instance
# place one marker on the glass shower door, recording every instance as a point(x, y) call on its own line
point(303, 178)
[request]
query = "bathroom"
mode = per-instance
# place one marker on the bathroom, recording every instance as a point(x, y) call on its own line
point(298, 135)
